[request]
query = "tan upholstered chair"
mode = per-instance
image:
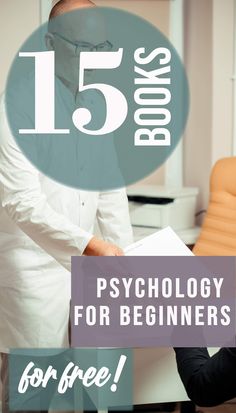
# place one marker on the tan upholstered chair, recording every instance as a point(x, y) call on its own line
point(218, 234)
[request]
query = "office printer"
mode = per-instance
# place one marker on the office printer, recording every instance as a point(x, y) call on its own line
point(159, 206)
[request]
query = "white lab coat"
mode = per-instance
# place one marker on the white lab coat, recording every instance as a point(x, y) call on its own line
point(42, 224)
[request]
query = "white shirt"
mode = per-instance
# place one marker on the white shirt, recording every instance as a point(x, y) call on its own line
point(42, 224)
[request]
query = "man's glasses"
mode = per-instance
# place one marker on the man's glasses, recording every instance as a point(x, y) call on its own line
point(79, 47)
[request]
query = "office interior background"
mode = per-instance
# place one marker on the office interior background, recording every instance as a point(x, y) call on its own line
point(204, 33)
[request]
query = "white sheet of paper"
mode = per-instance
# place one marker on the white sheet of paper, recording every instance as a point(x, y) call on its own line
point(162, 243)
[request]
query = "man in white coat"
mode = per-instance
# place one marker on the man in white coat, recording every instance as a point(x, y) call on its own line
point(43, 224)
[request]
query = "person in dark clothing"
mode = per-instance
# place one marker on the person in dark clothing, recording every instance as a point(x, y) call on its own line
point(208, 381)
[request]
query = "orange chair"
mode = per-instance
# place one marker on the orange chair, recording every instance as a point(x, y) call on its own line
point(218, 234)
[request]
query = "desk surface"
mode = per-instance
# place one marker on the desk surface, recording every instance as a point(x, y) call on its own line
point(156, 379)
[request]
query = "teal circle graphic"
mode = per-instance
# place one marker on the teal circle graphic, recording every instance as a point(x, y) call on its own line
point(131, 80)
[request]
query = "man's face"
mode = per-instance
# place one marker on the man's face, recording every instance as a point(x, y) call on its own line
point(72, 33)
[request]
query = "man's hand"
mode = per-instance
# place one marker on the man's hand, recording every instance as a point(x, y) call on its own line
point(97, 247)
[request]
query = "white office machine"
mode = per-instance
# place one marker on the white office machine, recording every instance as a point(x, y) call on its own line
point(159, 206)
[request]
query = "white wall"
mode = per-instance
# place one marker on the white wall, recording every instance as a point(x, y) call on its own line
point(209, 65)
point(18, 19)
point(158, 13)
point(222, 113)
